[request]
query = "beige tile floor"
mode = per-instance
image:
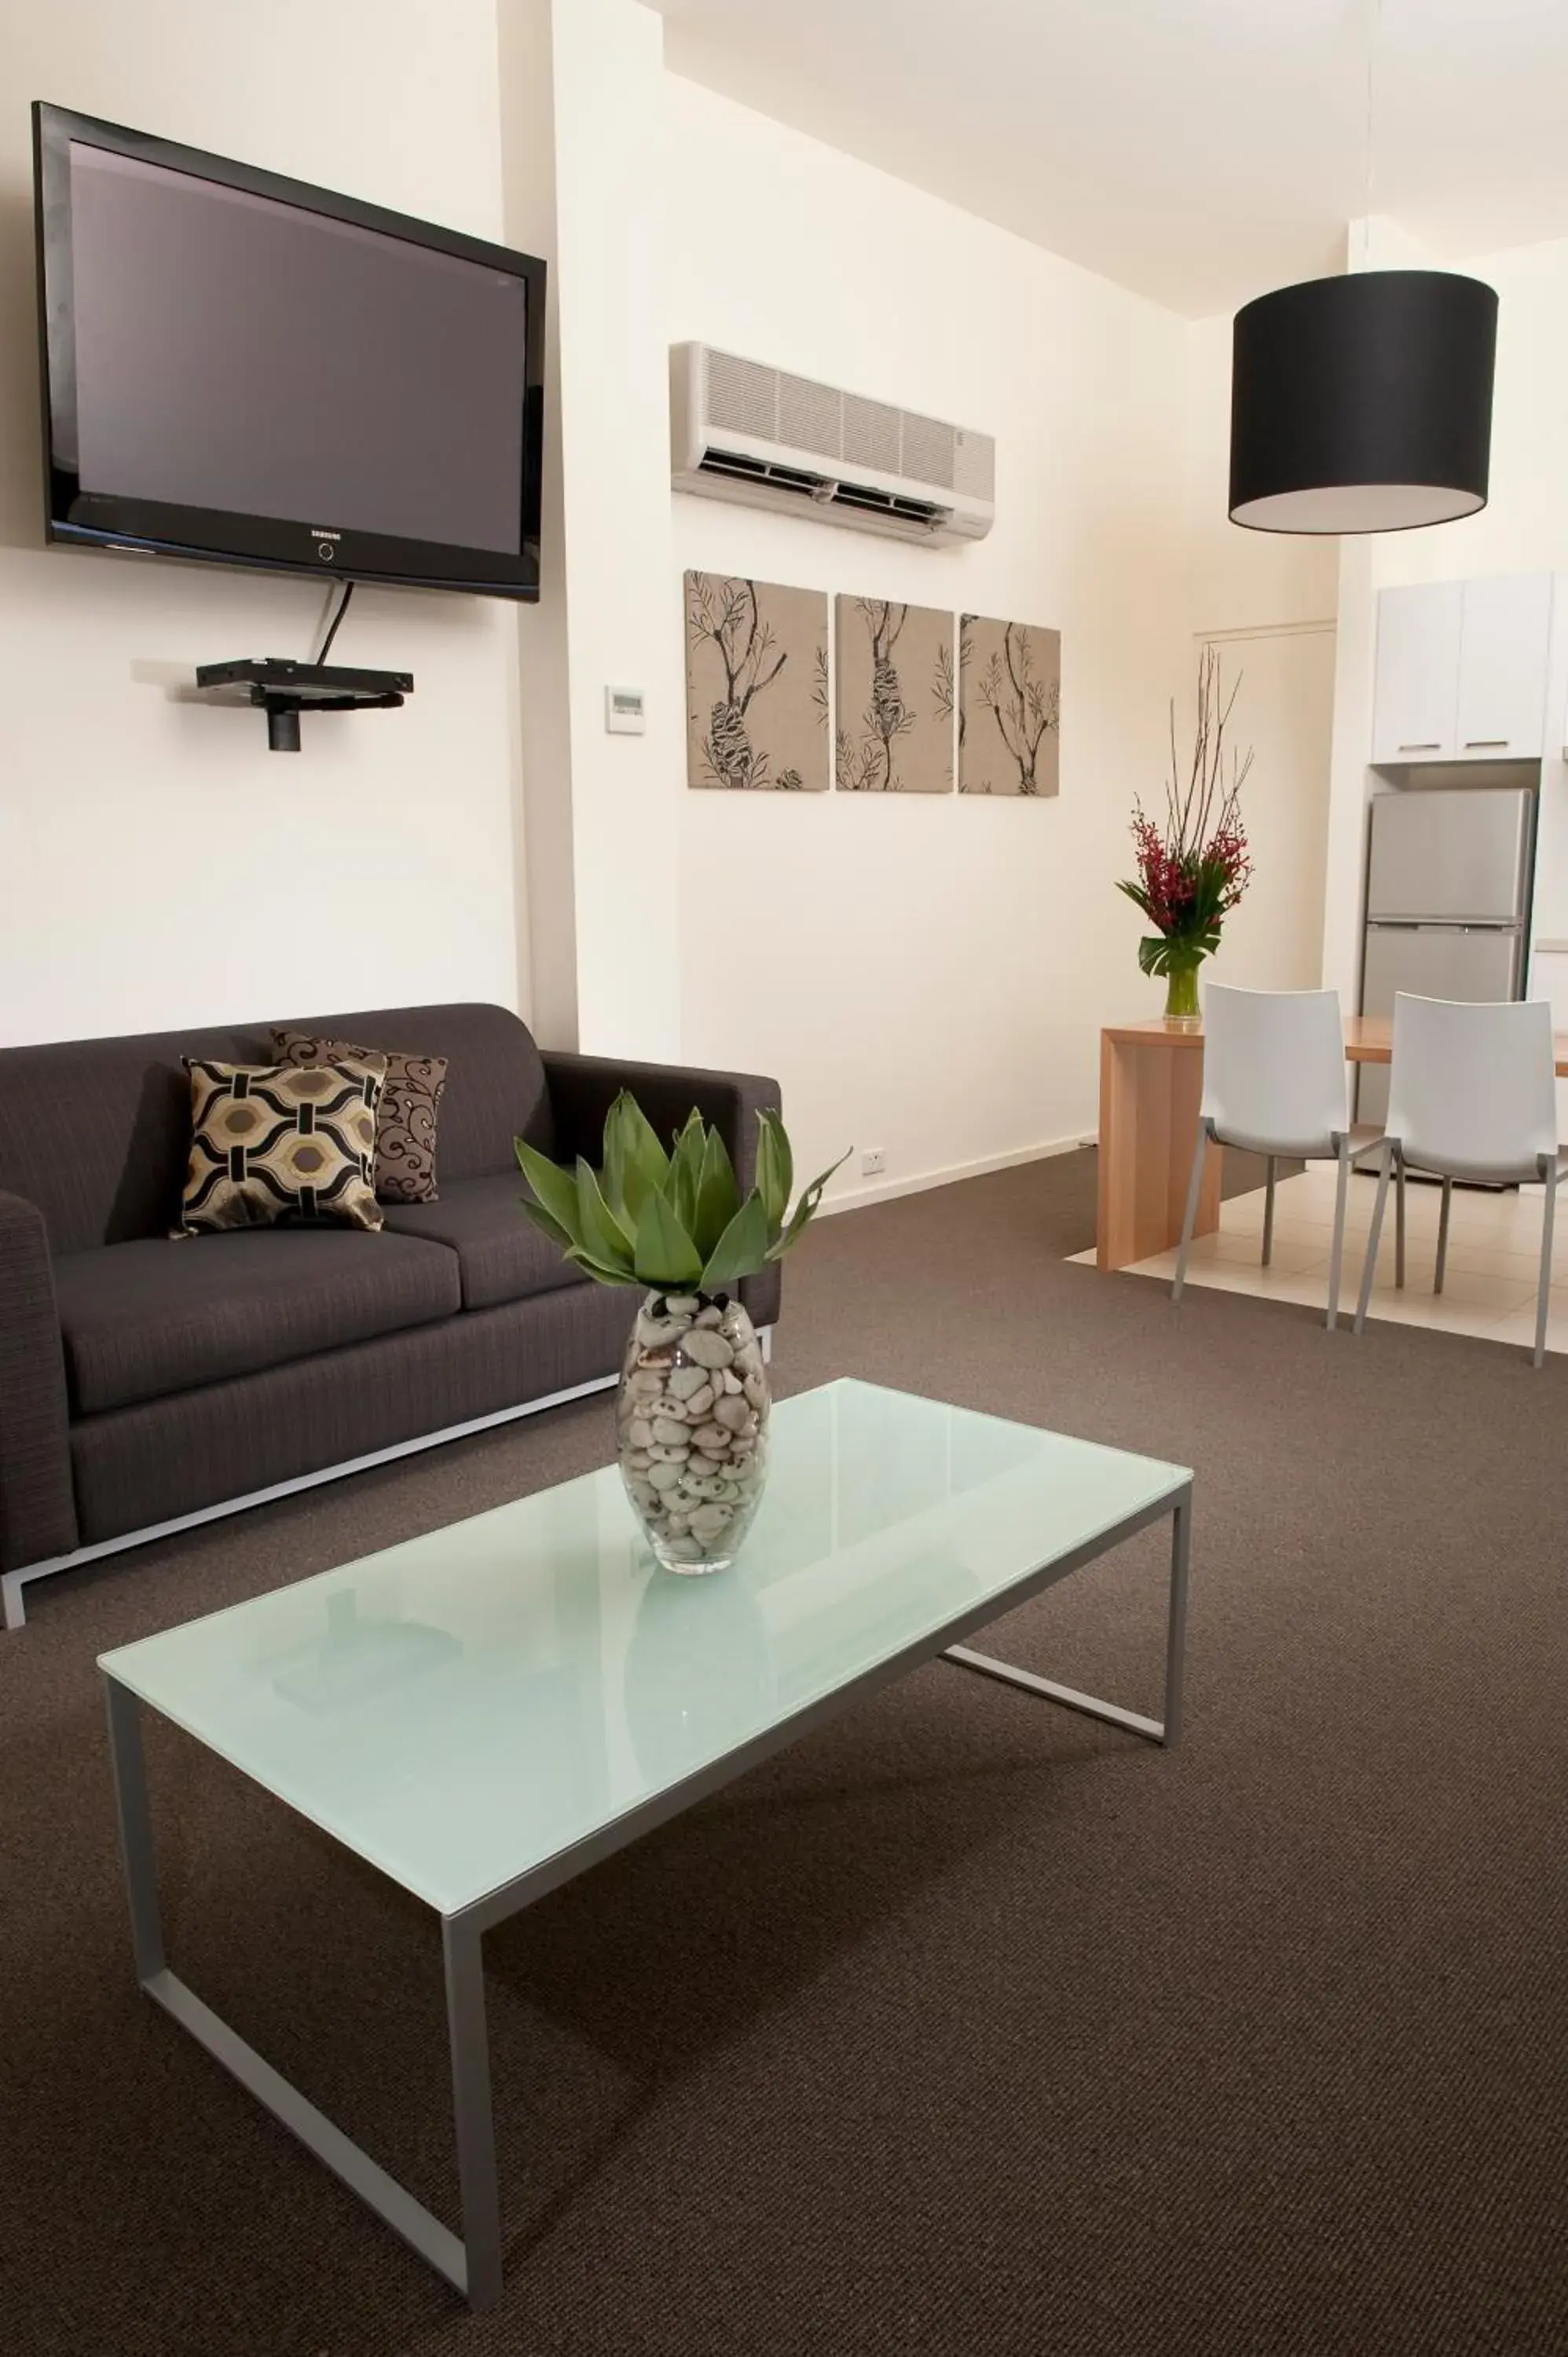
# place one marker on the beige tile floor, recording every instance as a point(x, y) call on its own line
point(1494, 1255)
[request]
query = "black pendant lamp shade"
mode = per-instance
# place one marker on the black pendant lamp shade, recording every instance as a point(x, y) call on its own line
point(1362, 403)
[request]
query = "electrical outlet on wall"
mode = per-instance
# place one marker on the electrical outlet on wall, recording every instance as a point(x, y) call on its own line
point(873, 1161)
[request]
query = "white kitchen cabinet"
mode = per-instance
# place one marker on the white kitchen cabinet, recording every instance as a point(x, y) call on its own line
point(1415, 707)
point(1461, 670)
point(1503, 652)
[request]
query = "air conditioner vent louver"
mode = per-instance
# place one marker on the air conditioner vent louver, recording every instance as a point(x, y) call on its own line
point(757, 470)
point(743, 431)
point(854, 495)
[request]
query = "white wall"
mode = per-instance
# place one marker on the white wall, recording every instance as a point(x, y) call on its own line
point(928, 973)
point(158, 865)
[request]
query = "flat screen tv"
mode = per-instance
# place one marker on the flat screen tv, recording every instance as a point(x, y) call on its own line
point(245, 370)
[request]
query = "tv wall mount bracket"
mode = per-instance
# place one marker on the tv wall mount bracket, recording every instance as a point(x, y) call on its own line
point(283, 690)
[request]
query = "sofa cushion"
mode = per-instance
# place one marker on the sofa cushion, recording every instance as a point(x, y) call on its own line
point(156, 1315)
point(273, 1142)
point(406, 1112)
point(503, 1256)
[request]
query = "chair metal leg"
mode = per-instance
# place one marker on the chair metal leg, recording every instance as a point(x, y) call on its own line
point(1337, 1258)
point(1442, 1235)
point(1369, 1269)
point(1543, 1293)
point(1399, 1218)
point(1269, 1213)
point(1195, 1187)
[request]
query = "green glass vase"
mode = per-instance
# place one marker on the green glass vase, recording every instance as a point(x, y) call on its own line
point(1181, 989)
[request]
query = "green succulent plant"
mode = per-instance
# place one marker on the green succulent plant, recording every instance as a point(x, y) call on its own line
point(671, 1220)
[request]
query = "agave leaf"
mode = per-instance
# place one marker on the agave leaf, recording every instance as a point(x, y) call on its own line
point(599, 1233)
point(545, 1224)
point(804, 1210)
point(666, 1257)
point(685, 1170)
point(774, 1170)
point(635, 1162)
point(554, 1189)
point(718, 1197)
point(743, 1247)
point(598, 1270)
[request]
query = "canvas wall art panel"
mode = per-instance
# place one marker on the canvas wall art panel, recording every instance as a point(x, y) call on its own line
point(1010, 696)
point(757, 685)
point(893, 698)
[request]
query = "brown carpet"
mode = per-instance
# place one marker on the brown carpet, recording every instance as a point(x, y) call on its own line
point(962, 2026)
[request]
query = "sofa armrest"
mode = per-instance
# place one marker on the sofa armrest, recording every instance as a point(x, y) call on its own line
point(37, 1502)
point(583, 1089)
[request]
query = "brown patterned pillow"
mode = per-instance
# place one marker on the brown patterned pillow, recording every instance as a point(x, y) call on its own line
point(273, 1142)
point(405, 1118)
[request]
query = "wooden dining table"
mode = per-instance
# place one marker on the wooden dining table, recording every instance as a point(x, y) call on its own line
point(1150, 1085)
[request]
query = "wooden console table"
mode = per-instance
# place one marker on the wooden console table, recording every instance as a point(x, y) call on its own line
point(1151, 1084)
point(1150, 1081)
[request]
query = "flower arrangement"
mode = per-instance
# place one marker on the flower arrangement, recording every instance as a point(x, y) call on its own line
point(1193, 870)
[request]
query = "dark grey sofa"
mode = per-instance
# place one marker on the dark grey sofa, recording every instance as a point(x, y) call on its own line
point(144, 1382)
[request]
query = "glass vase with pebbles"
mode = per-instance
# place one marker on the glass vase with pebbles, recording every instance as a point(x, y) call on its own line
point(693, 1410)
point(692, 1427)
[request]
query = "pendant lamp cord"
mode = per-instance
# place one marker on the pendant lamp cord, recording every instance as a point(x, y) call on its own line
point(1374, 38)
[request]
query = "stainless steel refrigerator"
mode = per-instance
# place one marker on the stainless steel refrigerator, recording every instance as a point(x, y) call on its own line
point(1447, 903)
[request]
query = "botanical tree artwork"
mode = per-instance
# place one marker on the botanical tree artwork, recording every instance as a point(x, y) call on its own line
point(1009, 724)
point(895, 698)
point(756, 685)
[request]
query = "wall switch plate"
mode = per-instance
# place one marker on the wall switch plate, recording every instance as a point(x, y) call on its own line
point(624, 713)
point(873, 1161)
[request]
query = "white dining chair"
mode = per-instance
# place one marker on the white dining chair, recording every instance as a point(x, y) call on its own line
point(1275, 1082)
point(1472, 1095)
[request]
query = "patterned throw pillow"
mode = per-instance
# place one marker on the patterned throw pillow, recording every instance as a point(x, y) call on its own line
point(273, 1142)
point(405, 1118)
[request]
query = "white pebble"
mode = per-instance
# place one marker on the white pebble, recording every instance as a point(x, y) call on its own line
point(686, 1382)
point(733, 1414)
point(672, 1433)
point(707, 1349)
point(663, 1477)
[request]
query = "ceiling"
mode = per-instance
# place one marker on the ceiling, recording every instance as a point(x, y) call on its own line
point(1196, 150)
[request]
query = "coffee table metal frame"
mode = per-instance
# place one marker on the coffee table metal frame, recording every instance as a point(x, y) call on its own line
point(473, 2263)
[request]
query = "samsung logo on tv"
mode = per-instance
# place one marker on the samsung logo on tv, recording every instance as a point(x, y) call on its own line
point(321, 533)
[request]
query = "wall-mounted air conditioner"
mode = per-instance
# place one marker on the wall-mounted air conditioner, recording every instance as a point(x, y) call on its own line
point(741, 431)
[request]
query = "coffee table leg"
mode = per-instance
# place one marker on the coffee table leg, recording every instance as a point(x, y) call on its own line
point(135, 1828)
point(1165, 1730)
point(462, 1945)
point(1175, 1624)
point(473, 2264)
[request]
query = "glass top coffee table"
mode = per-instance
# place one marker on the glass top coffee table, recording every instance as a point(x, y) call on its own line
point(485, 1712)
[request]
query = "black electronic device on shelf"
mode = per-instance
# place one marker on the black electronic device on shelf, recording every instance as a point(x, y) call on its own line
point(283, 690)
